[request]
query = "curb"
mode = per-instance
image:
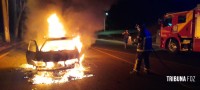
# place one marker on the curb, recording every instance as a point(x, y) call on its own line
point(6, 46)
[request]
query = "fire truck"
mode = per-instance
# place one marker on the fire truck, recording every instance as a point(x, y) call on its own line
point(180, 31)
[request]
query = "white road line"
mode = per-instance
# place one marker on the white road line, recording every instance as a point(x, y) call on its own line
point(113, 51)
point(1, 56)
point(185, 65)
point(124, 60)
point(121, 59)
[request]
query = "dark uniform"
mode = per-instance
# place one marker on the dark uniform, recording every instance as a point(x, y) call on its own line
point(144, 47)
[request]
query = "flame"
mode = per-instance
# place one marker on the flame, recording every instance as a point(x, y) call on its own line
point(48, 78)
point(81, 60)
point(56, 30)
point(50, 65)
point(78, 43)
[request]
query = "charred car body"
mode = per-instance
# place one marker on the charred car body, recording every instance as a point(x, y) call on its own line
point(55, 53)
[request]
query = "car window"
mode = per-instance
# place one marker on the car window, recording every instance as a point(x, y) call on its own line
point(57, 45)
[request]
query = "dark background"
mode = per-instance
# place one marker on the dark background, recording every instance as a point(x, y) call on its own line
point(126, 13)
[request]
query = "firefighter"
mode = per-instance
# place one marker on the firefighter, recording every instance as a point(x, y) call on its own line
point(144, 47)
point(126, 35)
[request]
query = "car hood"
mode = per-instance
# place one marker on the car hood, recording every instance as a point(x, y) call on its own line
point(56, 56)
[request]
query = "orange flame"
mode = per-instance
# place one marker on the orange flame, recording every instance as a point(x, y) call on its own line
point(56, 30)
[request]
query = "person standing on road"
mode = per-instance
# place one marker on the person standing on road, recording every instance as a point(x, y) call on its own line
point(144, 47)
point(126, 35)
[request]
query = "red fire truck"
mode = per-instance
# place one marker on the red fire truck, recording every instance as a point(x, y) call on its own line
point(180, 31)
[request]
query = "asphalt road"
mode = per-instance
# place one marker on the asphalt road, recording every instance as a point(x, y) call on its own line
point(110, 64)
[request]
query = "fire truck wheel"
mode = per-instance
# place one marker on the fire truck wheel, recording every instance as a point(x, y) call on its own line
point(173, 46)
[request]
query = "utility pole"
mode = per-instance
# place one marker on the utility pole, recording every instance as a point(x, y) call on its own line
point(105, 17)
point(6, 20)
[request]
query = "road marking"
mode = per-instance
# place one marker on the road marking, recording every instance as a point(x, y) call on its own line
point(124, 60)
point(1, 56)
point(113, 51)
point(185, 65)
point(121, 59)
point(153, 71)
point(113, 41)
point(165, 61)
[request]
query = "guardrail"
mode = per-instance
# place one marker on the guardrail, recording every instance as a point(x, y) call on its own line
point(117, 35)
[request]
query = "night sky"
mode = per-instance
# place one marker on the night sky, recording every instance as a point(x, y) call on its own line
point(126, 13)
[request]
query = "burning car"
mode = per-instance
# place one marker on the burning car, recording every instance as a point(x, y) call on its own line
point(54, 53)
point(59, 59)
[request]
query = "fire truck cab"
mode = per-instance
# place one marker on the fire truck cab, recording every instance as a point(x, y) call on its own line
point(180, 31)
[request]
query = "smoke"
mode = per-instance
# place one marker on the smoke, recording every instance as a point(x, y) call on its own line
point(79, 17)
